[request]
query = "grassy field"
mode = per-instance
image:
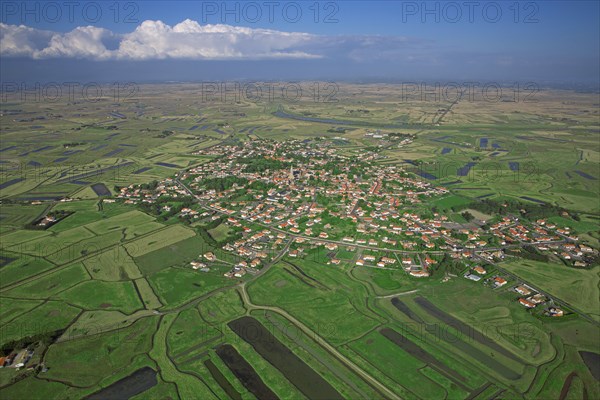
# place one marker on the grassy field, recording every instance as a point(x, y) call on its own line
point(148, 296)
point(222, 307)
point(89, 360)
point(43, 389)
point(127, 220)
point(304, 346)
point(53, 244)
point(93, 295)
point(22, 268)
point(14, 216)
point(176, 286)
point(21, 236)
point(90, 323)
point(188, 334)
point(51, 284)
point(220, 233)
point(446, 203)
point(112, 264)
point(401, 367)
point(177, 254)
point(13, 308)
point(333, 313)
point(167, 237)
point(48, 317)
point(86, 212)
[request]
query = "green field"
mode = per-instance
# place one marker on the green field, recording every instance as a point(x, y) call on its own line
point(177, 286)
point(333, 312)
point(51, 284)
point(22, 268)
point(177, 254)
point(168, 236)
point(48, 317)
point(92, 295)
point(219, 233)
point(90, 360)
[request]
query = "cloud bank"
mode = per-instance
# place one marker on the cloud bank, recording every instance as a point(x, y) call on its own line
point(164, 52)
point(155, 40)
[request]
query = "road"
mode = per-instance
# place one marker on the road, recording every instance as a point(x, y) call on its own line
point(397, 294)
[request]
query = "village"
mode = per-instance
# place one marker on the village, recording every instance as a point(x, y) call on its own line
point(285, 198)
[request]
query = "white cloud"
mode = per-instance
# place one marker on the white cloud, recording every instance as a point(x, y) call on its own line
point(190, 40)
point(156, 40)
point(21, 40)
point(82, 42)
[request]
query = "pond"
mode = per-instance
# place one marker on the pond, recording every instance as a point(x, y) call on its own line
point(290, 365)
point(244, 372)
point(136, 383)
point(221, 380)
point(592, 361)
point(100, 189)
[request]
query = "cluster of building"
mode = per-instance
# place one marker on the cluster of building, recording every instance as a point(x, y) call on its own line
point(475, 274)
point(47, 221)
point(254, 249)
point(528, 297)
point(545, 236)
point(251, 250)
point(16, 359)
point(387, 139)
point(134, 194)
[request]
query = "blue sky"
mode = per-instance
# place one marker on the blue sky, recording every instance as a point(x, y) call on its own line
point(546, 40)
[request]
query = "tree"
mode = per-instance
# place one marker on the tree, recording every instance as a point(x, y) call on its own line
point(467, 216)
